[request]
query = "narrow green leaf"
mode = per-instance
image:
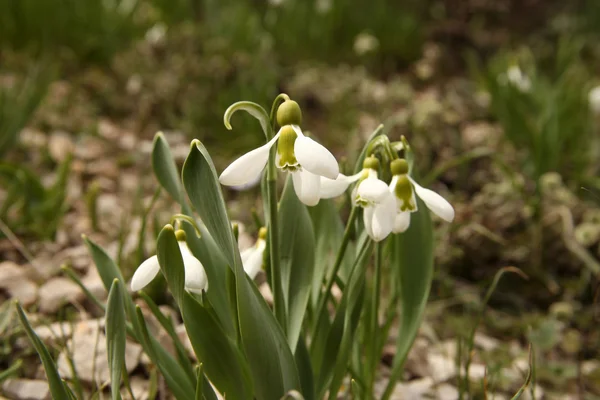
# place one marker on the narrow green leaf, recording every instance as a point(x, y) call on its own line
point(206, 250)
point(336, 352)
point(167, 324)
point(180, 386)
point(203, 189)
point(305, 370)
point(165, 168)
point(328, 230)
point(222, 360)
point(270, 359)
point(176, 377)
point(115, 337)
point(251, 108)
point(56, 386)
point(297, 254)
point(10, 371)
point(412, 259)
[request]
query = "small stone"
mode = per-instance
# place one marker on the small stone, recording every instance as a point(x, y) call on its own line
point(485, 342)
point(477, 372)
point(57, 292)
point(60, 146)
point(442, 367)
point(446, 391)
point(13, 279)
point(27, 389)
point(88, 349)
point(140, 388)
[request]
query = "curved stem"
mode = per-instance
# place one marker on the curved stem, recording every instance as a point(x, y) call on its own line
point(322, 306)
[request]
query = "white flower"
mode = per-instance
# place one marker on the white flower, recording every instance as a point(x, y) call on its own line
point(331, 188)
point(252, 257)
point(594, 100)
point(403, 188)
point(298, 154)
point(379, 206)
point(195, 277)
point(517, 78)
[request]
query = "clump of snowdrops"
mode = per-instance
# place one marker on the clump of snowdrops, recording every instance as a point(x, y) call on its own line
point(338, 285)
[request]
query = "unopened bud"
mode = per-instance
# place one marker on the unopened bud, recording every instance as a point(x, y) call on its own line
point(180, 235)
point(371, 163)
point(399, 167)
point(289, 113)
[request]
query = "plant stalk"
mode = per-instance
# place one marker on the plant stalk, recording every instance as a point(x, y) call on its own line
point(322, 306)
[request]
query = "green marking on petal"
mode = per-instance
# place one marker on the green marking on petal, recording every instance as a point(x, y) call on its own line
point(404, 193)
point(285, 150)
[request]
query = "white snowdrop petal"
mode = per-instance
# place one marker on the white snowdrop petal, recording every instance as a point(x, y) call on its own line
point(253, 264)
point(373, 190)
point(144, 274)
point(336, 187)
point(401, 222)
point(368, 220)
point(248, 167)
point(245, 254)
point(436, 203)
point(383, 218)
point(306, 186)
point(195, 276)
point(315, 158)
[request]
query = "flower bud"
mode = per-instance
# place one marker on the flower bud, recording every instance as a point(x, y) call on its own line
point(399, 167)
point(371, 163)
point(180, 235)
point(262, 233)
point(289, 113)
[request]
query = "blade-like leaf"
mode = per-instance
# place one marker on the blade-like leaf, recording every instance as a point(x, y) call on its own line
point(336, 352)
point(222, 360)
point(115, 337)
point(412, 258)
point(165, 168)
point(297, 252)
point(56, 386)
point(251, 108)
point(204, 191)
point(177, 378)
point(270, 359)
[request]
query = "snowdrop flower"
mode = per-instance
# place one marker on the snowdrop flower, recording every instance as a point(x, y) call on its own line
point(378, 203)
point(252, 257)
point(517, 78)
point(331, 188)
point(403, 188)
point(594, 100)
point(297, 154)
point(195, 277)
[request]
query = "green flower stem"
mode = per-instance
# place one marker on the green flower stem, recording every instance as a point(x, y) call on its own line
point(273, 230)
point(372, 358)
point(322, 307)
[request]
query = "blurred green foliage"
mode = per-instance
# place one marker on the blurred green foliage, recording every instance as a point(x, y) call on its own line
point(544, 109)
point(19, 98)
point(30, 208)
point(90, 30)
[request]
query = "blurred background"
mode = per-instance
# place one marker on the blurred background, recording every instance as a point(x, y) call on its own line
point(499, 99)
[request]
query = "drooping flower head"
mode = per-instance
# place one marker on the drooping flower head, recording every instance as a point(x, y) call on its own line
point(252, 257)
point(297, 154)
point(373, 195)
point(404, 188)
point(195, 276)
